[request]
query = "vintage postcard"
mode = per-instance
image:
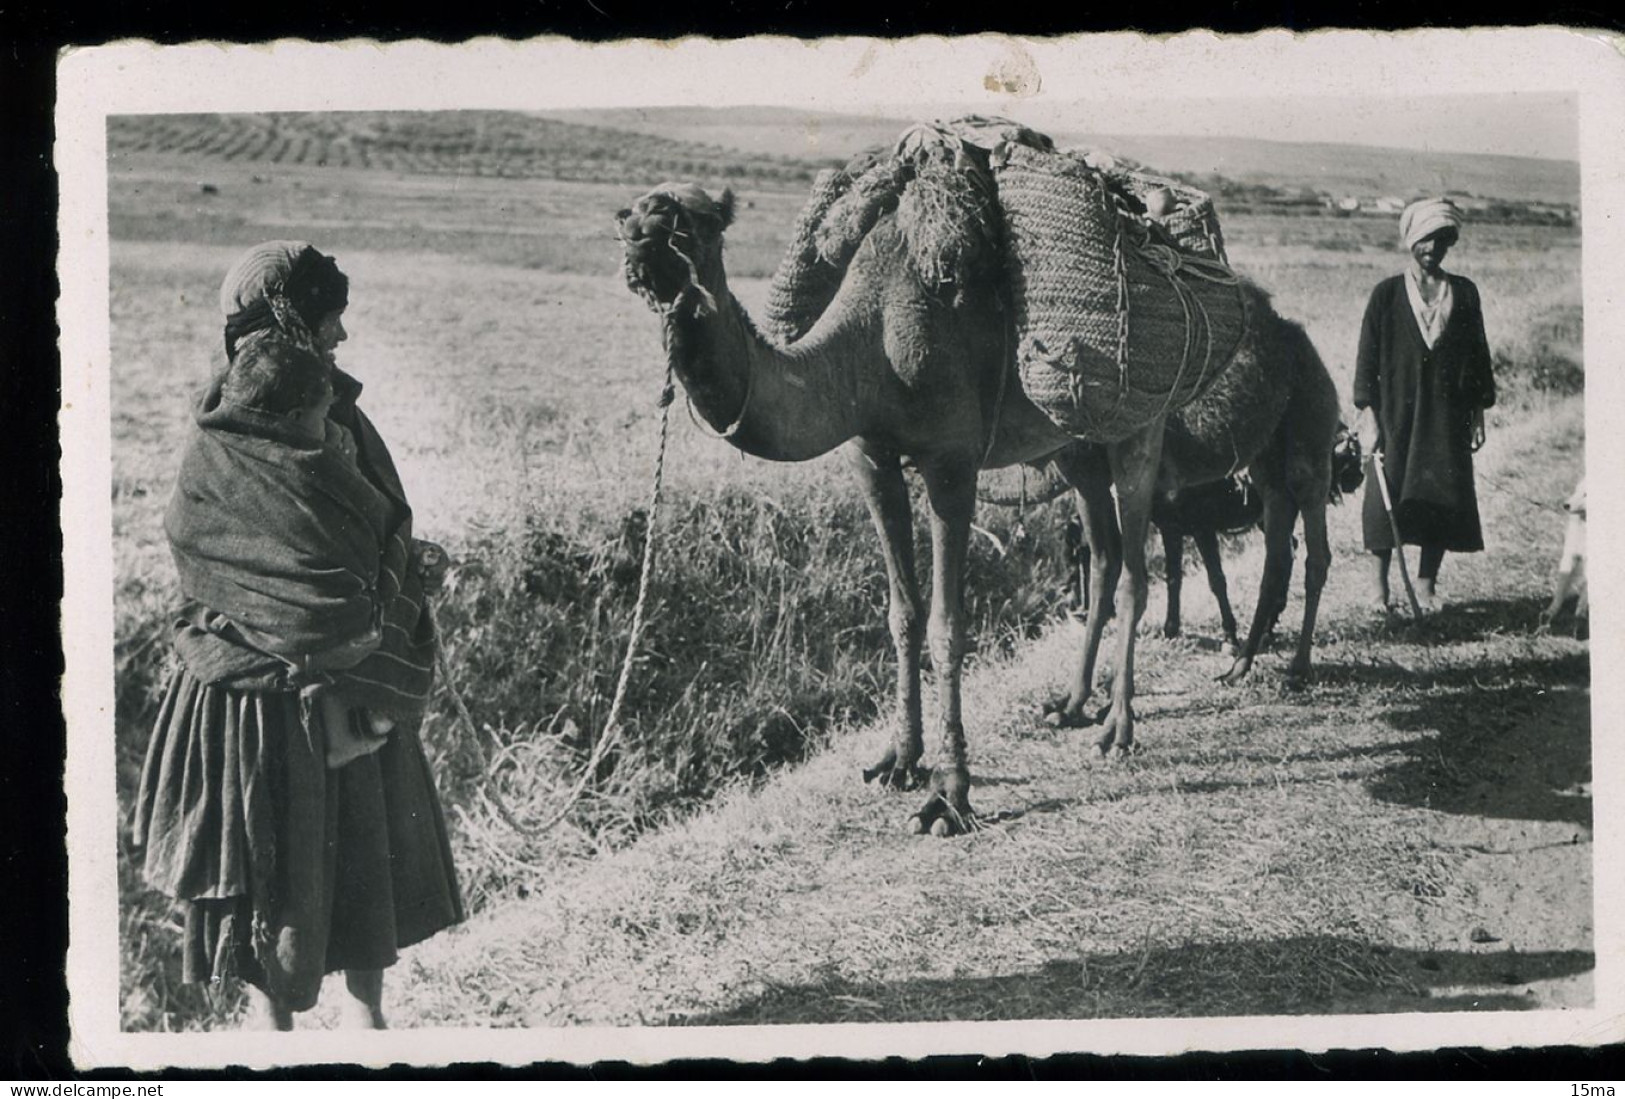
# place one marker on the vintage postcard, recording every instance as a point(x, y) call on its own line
point(675, 549)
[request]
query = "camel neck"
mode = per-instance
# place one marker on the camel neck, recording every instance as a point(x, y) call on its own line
point(781, 404)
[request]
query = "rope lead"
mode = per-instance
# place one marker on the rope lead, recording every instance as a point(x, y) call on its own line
point(612, 725)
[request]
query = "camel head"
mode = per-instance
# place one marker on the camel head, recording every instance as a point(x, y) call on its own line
point(671, 236)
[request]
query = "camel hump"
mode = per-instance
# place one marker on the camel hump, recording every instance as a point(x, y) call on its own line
point(934, 178)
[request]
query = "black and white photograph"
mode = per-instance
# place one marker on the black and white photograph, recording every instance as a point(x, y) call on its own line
point(851, 547)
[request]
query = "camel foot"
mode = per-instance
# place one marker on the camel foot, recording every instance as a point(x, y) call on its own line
point(941, 818)
point(1297, 679)
point(1117, 741)
point(1063, 714)
point(1238, 672)
point(1170, 630)
point(896, 775)
point(947, 812)
point(1110, 752)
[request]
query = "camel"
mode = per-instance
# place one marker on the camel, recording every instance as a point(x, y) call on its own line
point(1274, 412)
point(1274, 404)
point(1200, 512)
point(898, 367)
point(1203, 512)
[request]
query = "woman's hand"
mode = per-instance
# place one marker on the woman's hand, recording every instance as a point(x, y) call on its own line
point(1366, 430)
point(1476, 427)
point(432, 562)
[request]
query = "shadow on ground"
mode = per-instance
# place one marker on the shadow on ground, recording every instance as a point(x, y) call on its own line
point(1309, 975)
point(1508, 739)
point(1512, 753)
point(1473, 620)
point(1480, 618)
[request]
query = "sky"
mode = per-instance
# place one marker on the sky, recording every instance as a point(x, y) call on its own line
point(1519, 92)
point(1535, 124)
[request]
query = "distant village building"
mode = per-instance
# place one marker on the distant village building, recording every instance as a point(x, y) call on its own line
point(1388, 204)
point(1348, 204)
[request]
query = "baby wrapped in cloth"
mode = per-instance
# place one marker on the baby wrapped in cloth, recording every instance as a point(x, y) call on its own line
point(295, 566)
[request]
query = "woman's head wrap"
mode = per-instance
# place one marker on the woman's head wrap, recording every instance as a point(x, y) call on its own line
point(286, 285)
point(1427, 216)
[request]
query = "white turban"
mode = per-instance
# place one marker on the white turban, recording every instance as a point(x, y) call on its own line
point(1427, 216)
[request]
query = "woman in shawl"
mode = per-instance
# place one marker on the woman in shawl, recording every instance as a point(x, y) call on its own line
point(285, 801)
point(1422, 382)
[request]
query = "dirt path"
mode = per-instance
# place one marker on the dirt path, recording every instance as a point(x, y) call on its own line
point(1412, 834)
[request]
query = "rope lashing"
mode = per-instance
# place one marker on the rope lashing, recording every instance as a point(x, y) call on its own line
point(708, 304)
point(1120, 267)
point(1173, 263)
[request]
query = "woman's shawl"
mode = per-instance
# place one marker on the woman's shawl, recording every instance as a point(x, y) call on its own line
point(295, 562)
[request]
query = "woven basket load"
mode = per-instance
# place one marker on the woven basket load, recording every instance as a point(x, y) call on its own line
point(805, 282)
point(1193, 224)
point(1115, 326)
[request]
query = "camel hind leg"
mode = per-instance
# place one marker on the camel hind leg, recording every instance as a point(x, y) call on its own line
point(1087, 470)
point(1207, 546)
point(1317, 565)
point(1134, 463)
point(1295, 474)
point(1309, 478)
point(1173, 570)
point(1280, 515)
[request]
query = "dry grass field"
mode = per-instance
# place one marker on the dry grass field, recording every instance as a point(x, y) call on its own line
point(1338, 851)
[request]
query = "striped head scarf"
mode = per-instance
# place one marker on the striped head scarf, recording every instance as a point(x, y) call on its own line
point(1427, 216)
point(282, 285)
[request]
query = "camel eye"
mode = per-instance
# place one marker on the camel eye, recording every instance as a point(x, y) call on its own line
point(623, 213)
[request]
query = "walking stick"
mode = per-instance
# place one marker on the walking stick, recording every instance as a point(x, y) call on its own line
point(1393, 525)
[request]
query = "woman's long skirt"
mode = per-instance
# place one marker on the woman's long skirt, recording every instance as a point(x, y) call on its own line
point(286, 870)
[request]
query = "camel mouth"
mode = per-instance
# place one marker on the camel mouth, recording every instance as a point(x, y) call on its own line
point(639, 264)
point(652, 260)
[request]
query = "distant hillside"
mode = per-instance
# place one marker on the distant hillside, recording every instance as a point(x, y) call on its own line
point(821, 136)
point(1349, 169)
point(1339, 169)
point(495, 143)
point(780, 146)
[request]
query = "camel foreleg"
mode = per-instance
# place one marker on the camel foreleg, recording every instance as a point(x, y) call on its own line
point(880, 475)
point(950, 485)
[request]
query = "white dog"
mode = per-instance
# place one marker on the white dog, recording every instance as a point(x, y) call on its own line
point(1571, 570)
